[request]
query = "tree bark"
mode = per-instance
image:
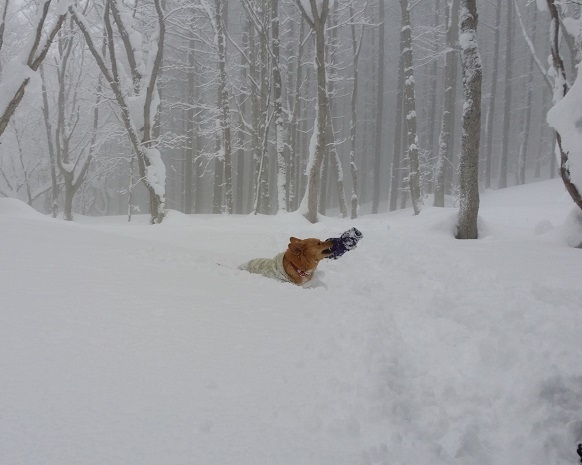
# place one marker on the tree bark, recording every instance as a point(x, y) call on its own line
point(317, 19)
point(469, 162)
point(503, 166)
point(410, 111)
point(448, 121)
point(380, 109)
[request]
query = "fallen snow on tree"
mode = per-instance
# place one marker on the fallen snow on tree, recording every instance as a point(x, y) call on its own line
point(566, 118)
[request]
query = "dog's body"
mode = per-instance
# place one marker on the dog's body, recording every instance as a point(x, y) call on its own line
point(296, 265)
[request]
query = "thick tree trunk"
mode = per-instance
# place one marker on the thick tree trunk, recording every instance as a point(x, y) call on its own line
point(469, 163)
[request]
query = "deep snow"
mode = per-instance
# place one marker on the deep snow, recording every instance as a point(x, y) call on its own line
point(127, 344)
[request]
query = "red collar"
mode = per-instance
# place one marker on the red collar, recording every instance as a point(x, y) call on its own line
point(300, 272)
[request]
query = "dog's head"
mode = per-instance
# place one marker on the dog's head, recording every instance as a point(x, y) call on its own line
point(309, 251)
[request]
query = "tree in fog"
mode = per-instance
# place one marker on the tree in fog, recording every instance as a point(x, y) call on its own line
point(315, 14)
point(469, 163)
point(380, 108)
point(18, 74)
point(223, 159)
point(561, 89)
point(138, 103)
point(356, 48)
point(72, 151)
point(509, 57)
point(410, 111)
point(445, 155)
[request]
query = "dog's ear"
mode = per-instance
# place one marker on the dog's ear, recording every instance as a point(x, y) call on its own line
point(295, 246)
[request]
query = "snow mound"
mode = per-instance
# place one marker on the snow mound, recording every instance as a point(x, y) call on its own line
point(17, 209)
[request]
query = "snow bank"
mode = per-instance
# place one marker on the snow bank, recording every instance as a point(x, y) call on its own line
point(128, 343)
point(15, 208)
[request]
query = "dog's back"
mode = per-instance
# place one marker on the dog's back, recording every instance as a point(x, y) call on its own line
point(269, 267)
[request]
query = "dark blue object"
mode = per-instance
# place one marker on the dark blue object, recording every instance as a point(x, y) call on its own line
point(347, 241)
point(580, 451)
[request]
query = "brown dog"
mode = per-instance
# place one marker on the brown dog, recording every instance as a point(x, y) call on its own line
point(296, 264)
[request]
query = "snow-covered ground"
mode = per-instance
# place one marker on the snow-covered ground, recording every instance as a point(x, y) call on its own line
point(128, 344)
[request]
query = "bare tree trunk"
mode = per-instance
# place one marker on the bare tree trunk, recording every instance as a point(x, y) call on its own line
point(316, 18)
point(242, 99)
point(224, 161)
point(469, 163)
point(380, 114)
point(527, 110)
point(51, 147)
point(293, 132)
point(356, 47)
point(278, 110)
point(189, 152)
point(448, 121)
point(410, 111)
point(508, 94)
point(64, 131)
point(395, 170)
point(432, 92)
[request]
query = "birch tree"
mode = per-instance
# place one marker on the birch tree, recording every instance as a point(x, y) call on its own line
point(469, 162)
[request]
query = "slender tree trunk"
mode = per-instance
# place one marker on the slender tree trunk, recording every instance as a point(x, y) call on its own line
point(527, 110)
point(410, 111)
point(356, 47)
point(503, 166)
point(189, 152)
point(432, 93)
point(491, 110)
point(395, 171)
point(380, 114)
point(469, 163)
point(224, 161)
point(51, 148)
point(293, 133)
point(448, 121)
point(278, 110)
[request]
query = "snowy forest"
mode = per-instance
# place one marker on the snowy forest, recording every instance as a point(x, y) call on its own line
point(116, 107)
